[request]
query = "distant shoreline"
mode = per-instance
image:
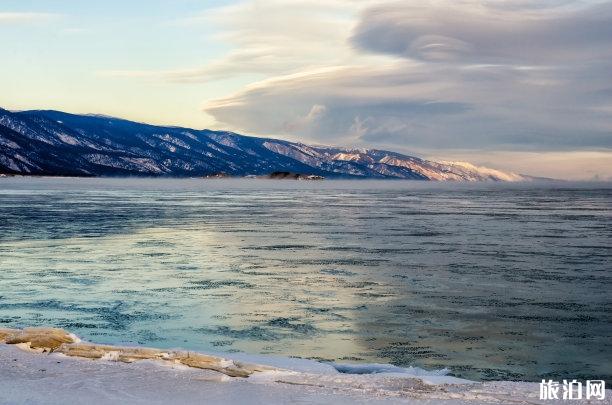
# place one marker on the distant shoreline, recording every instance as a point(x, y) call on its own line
point(318, 178)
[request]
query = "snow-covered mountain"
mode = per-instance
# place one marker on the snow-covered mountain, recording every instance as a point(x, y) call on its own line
point(58, 143)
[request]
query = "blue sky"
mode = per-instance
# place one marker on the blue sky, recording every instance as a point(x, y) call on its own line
point(55, 52)
point(524, 85)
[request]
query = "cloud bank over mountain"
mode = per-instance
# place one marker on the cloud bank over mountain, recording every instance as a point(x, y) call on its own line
point(460, 75)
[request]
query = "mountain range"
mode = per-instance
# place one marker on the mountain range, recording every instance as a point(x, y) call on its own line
point(61, 144)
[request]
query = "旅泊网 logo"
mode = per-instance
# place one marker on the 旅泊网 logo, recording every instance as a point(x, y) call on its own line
point(591, 389)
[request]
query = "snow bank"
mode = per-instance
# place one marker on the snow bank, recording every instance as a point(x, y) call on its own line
point(111, 375)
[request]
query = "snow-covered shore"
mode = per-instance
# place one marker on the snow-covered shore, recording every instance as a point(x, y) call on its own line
point(30, 377)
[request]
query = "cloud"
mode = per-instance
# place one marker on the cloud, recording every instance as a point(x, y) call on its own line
point(358, 100)
point(463, 74)
point(424, 106)
point(486, 33)
point(26, 18)
point(301, 122)
point(267, 38)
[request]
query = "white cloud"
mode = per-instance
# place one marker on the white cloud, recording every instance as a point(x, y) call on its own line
point(307, 121)
point(268, 38)
point(26, 18)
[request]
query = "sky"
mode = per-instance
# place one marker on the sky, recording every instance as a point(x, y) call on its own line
point(520, 85)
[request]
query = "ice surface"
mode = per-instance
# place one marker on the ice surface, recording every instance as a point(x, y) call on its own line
point(479, 279)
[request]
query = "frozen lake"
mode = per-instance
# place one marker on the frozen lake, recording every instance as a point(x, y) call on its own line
point(492, 281)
